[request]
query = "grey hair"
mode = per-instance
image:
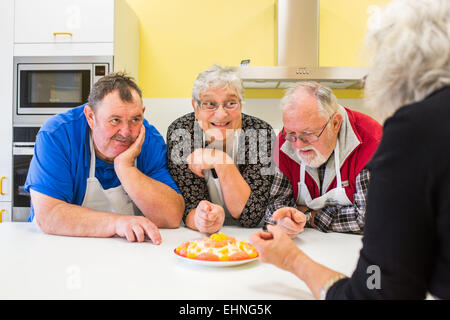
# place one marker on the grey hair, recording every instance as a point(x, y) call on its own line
point(119, 81)
point(325, 97)
point(217, 76)
point(409, 41)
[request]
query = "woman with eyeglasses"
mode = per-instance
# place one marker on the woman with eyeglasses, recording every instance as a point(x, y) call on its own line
point(219, 157)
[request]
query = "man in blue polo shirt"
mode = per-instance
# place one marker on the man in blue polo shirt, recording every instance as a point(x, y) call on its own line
point(99, 169)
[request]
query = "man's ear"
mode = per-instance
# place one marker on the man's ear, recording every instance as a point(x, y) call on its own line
point(90, 116)
point(336, 122)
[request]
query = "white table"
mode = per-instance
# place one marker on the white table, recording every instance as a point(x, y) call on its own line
point(35, 265)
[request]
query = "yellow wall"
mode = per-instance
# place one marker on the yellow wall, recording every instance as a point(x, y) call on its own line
point(341, 31)
point(180, 38)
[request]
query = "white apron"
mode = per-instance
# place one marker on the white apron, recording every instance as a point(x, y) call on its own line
point(213, 184)
point(114, 200)
point(336, 196)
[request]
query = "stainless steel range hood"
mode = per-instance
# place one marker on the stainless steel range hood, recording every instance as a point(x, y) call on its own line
point(298, 53)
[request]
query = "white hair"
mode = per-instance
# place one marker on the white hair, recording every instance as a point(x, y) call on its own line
point(325, 97)
point(217, 76)
point(410, 45)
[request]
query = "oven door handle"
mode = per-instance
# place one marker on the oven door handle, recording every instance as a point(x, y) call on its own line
point(22, 150)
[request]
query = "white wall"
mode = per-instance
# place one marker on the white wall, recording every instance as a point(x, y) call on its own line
point(160, 112)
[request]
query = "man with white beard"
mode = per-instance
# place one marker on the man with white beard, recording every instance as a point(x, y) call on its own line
point(321, 178)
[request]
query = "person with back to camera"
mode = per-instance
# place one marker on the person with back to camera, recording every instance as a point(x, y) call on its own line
point(406, 236)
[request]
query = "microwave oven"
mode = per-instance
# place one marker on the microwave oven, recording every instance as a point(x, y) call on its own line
point(44, 86)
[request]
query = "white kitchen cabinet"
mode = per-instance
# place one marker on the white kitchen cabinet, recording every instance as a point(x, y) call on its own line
point(82, 28)
point(6, 92)
point(63, 21)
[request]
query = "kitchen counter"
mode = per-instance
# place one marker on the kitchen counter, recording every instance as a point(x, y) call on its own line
point(35, 265)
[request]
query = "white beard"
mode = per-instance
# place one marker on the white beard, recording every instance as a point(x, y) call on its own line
point(314, 161)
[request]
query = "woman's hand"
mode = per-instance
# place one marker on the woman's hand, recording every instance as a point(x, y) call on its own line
point(205, 159)
point(275, 247)
point(209, 217)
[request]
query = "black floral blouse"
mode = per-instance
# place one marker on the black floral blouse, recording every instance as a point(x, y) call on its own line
point(254, 162)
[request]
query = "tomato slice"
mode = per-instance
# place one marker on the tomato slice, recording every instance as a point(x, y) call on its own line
point(207, 256)
point(239, 256)
point(183, 252)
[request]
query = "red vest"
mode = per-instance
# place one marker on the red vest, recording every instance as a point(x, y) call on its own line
point(367, 130)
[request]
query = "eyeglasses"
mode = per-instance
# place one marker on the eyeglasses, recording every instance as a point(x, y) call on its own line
point(213, 106)
point(305, 138)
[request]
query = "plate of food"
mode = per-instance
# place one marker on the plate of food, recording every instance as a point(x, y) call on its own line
point(218, 250)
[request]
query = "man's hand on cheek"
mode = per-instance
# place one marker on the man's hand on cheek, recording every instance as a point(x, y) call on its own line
point(127, 158)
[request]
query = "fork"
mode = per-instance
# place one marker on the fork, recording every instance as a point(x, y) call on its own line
point(268, 221)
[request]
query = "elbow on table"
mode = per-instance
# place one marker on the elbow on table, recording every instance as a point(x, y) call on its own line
point(175, 217)
point(43, 222)
point(175, 224)
point(45, 209)
point(171, 222)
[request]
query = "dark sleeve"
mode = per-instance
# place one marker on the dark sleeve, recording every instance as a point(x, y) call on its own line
point(398, 247)
point(280, 195)
point(179, 145)
point(258, 173)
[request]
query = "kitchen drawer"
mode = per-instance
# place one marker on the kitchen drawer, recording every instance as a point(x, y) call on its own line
point(5, 212)
point(63, 21)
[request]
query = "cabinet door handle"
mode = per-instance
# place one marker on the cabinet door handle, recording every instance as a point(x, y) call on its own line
point(1, 214)
point(1, 186)
point(62, 33)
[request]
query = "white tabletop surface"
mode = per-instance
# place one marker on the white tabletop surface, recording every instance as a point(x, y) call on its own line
point(34, 265)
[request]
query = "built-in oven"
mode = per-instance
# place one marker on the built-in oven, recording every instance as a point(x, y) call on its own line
point(23, 148)
point(43, 87)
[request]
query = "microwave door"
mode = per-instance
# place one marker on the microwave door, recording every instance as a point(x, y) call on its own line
point(52, 88)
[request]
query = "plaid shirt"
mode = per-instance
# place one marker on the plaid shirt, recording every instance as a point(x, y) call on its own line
point(331, 218)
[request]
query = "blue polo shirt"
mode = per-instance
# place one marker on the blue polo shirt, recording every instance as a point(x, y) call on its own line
point(61, 161)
